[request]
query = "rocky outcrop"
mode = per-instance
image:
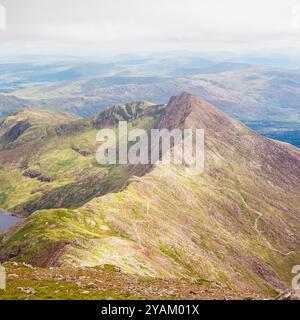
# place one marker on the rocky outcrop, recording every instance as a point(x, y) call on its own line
point(293, 294)
point(236, 224)
point(17, 130)
point(36, 175)
point(125, 112)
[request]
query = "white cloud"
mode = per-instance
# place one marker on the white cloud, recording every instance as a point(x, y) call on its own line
point(296, 17)
point(167, 24)
point(2, 17)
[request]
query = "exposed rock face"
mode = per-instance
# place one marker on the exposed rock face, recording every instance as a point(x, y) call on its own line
point(53, 164)
point(36, 175)
point(124, 112)
point(236, 224)
point(18, 129)
point(31, 174)
point(274, 160)
point(293, 294)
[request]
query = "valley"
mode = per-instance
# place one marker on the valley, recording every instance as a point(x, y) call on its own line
point(231, 232)
point(48, 160)
point(238, 220)
point(149, 150)
point(250, 90)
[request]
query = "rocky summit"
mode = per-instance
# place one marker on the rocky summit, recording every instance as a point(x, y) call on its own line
point(234, 227)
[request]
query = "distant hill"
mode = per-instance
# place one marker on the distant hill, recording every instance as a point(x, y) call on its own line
point(244, 93)
point(11, 104)
point(255, 95)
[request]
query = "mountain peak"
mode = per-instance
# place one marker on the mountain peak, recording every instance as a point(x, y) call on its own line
point(226, 139)
point(223, 225)
point(190, 111)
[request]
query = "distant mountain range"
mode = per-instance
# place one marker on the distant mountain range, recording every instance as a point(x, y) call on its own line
point(236, 225)
point(255, 95)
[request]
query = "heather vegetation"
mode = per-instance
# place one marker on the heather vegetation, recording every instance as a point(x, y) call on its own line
point(234, 226)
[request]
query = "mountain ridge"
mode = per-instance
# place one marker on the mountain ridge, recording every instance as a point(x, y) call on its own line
point(236, 224)
point(47, 158)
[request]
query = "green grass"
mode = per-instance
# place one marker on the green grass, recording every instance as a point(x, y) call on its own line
point(51, 289)
point(75, 179)
point(212, 229)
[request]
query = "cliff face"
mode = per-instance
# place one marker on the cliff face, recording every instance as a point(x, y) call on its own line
point(236, 224)
point(48, 159)
point(125, 112)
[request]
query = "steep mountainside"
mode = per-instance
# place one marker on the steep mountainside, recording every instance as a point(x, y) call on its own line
point(48, 159)
point(126, 112)
point(236, 224)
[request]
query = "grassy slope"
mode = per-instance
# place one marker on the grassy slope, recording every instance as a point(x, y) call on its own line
point(66, 159)
point(224, 238)
point(142, 232)
point(235, 225)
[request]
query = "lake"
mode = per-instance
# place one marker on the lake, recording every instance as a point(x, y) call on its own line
point(7, 221)
point(283, 131)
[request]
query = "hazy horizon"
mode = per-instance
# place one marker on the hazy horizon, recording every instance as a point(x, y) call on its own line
point(137, 26)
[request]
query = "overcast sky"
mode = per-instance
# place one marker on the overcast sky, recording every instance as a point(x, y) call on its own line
point(149, 25)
